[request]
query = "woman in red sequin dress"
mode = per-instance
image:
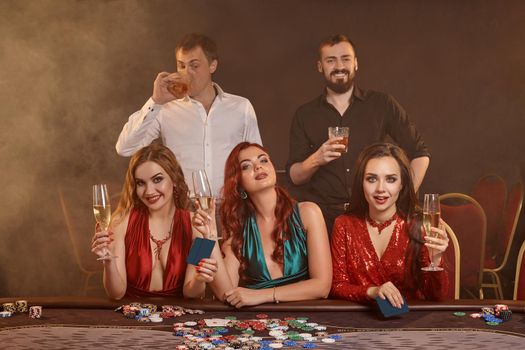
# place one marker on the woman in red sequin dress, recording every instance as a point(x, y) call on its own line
point(151, 233)
point(378, 247)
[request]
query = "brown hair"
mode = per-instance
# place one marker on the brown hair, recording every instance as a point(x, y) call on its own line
point(336, 39)
point(164, 157)
point(407, 204)
point(193, 40)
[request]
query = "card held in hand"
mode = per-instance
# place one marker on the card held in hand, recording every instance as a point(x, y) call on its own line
point(200, 249)
point(388, 310)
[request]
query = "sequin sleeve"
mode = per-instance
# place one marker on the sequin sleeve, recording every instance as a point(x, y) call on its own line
point(342, 283)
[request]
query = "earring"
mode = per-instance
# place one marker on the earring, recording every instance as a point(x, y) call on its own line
point(243, 194)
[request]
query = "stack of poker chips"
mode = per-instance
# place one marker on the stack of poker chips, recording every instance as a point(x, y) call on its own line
point(493, 316)
point(503, 312)
point(35, 311)
point(148, 312)
point(9, 309)
point(21, 306)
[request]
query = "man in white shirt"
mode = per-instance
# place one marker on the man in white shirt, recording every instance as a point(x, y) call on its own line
point(200, 127)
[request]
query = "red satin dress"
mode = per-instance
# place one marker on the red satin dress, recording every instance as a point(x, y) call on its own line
point(356, 266)
point(139, 259)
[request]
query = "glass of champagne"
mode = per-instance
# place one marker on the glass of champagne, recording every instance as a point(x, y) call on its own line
point(431, 215)
point(102, 211)
point(202, 190)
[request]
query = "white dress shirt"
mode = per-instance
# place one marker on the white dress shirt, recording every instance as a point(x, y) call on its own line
point(199, 140)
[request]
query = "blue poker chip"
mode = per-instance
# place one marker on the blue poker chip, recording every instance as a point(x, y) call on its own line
point(309, 345)
point(289, 343)
point(335, 336)
point(222, 331)
point(218, 341)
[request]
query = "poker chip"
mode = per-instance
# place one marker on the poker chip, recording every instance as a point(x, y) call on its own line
point(289, 343)
point(275, 345)
point(492, 323)
point(476, 315)
point(335, 336)
point(459, 313)
point(190, 323)
point(305, 335)
point(261, 316)
point(309, 345)
point(328, 340)
point(230, 318)
point(5, 314)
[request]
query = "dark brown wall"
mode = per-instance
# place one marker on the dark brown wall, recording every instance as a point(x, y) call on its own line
point(72, 72)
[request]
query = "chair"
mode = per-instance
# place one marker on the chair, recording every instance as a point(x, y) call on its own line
point(519, 284)
point(491, 192)
point(80, 224)
point(511, 215)
point(452, 259)
point(467, 218)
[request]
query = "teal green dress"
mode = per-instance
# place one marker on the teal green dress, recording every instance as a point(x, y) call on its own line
point(295, 255)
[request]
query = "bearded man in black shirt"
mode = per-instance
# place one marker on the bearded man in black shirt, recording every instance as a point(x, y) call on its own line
point(318, 162)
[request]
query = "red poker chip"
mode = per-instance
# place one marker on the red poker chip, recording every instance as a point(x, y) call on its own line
point(261, 316)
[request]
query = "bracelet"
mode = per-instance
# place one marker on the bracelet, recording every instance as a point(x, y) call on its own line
point(274, 298)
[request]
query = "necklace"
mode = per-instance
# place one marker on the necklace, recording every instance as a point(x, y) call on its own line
point(380, 226)
point(160, 242)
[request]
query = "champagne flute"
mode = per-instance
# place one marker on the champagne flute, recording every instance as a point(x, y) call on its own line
point(202, 190)
point(431, 215)
point(102, 211)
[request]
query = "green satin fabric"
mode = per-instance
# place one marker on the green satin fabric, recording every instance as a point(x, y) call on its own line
point(295, 255)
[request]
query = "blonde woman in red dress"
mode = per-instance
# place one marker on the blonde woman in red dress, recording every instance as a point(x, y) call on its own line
point(378, 247)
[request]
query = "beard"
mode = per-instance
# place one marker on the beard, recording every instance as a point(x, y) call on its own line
point(340, 86)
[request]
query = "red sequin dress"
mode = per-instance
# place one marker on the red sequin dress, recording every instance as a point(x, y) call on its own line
point(356, 266)
point(139, 259)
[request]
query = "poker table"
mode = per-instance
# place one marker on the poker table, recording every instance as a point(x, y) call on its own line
point(90, 323)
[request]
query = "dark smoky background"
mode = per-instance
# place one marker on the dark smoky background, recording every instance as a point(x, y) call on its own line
point(73, 71)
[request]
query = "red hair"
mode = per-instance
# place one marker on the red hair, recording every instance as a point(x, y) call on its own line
point(235, 210)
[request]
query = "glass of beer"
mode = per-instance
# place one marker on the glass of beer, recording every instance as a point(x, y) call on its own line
point(179, 84)
point(102, 211)
point(431, 215)
point(340, 131)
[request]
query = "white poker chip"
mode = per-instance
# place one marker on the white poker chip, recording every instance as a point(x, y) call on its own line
point(5, 314)
point(328, 340)
point(320, 328)
point(282, 337)
point(275, 333)
point(190, 323)
point(301, 321)
point(305, 335)
point(312, 324)
point(156, 319)
point(275, 345)
point(243, 339)
point(310, 339)
point(256, 339)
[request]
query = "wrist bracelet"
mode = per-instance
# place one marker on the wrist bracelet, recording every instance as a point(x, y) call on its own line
point(274, 298)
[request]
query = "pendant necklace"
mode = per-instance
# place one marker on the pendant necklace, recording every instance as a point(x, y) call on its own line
point(160, 242)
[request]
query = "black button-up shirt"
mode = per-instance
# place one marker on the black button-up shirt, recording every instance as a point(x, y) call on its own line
point(372, 117)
